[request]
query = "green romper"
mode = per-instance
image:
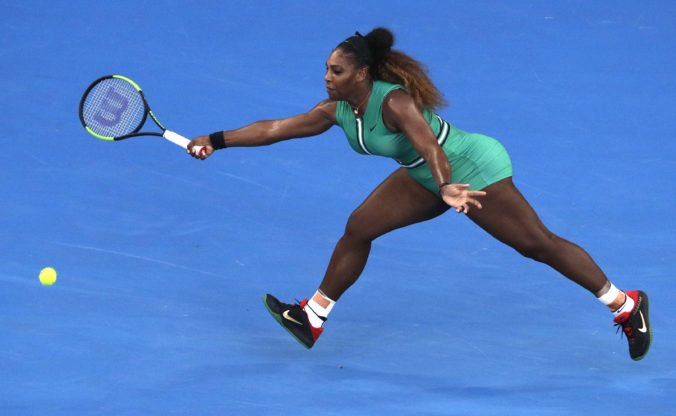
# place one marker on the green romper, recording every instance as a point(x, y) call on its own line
point(475, 159)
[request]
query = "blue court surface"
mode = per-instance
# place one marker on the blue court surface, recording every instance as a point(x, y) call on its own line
point(162, 259)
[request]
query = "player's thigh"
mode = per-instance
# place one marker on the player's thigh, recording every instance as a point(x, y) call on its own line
point(507, 216)
point(397, 202)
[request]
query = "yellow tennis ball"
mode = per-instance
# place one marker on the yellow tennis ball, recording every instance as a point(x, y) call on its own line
point(47, 276)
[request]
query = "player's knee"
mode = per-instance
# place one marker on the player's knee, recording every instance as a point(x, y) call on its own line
point(354, 231)
point(357, 229)
point(539, 249)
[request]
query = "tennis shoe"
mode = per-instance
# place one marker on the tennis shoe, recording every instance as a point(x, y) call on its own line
point(294, 319)
point(636, 325)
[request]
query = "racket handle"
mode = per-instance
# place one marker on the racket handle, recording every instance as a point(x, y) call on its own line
point(179, 140)
point(176, 138)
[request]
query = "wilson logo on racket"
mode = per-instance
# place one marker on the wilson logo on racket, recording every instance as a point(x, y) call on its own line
point(114, 108)
point(111, 109)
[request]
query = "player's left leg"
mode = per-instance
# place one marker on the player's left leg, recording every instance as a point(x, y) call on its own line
point(508, 217)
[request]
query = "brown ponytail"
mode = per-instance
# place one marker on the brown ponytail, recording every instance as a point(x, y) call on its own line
point(400, 68)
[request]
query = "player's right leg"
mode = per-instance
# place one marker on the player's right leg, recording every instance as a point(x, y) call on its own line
point(397, 202)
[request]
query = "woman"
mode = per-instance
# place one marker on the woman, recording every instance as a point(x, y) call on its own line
point(383, 100)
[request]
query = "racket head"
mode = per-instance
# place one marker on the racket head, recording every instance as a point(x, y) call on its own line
point(113, 107)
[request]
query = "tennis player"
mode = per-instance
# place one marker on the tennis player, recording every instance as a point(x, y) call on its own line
point(385, 102)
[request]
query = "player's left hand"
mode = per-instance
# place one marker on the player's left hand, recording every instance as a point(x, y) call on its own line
point(459, 197)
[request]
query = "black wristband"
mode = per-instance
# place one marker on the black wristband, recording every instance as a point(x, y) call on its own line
point(217, 140)
point(443, 184)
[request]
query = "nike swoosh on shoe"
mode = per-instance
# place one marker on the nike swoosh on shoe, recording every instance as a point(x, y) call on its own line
point(288, 317)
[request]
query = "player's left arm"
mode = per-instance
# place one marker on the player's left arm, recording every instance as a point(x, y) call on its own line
point(401, 114)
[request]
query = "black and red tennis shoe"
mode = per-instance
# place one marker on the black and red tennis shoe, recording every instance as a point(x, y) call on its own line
point(294, 319)
point(636, 325)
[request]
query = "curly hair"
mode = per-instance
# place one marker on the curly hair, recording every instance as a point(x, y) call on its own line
point(375, 51)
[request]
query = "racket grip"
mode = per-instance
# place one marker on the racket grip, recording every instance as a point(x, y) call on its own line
point(179, 140)
point(176, 138)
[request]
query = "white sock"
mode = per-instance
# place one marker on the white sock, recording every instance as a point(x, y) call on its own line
point(627, 306)
point(316, 313)
point(610, 295)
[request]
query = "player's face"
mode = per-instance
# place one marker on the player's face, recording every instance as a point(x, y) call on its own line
point(341, 76)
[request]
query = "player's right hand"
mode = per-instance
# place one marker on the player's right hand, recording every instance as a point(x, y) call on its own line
point(200, 147)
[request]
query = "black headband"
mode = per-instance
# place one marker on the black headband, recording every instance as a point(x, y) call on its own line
point(360, 47)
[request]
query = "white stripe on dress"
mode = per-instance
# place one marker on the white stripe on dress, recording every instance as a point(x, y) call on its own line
point(441, 138)
point(360, 135)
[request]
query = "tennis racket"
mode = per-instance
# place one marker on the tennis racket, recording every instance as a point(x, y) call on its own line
point(114, 108)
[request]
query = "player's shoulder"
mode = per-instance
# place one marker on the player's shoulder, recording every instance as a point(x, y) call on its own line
point(327, 104)
point(327, 108)
point(397, 97)
point(398, 101)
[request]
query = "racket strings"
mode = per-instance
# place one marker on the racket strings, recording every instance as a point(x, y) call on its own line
point(113, 108)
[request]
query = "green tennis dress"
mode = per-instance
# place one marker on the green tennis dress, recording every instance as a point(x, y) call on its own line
point(475, 159)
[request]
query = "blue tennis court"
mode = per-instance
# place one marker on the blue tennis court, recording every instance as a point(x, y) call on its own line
point(162, 259)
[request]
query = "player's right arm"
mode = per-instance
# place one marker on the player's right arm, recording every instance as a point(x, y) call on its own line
point(266, 132)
